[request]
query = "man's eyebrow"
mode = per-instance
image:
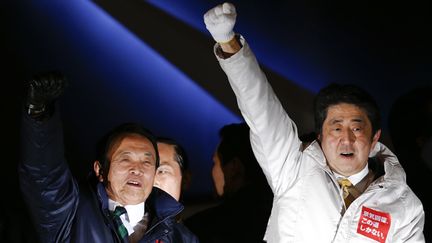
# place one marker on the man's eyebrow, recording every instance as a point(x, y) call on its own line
point(124, 152)
point(338, 120)
point(357, 120)
point(148, 154)
point(335, 120)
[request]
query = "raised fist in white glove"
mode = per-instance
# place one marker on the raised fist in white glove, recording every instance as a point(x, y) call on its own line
point(220, 22)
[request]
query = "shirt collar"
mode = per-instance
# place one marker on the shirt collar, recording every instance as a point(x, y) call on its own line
point(356, 178)
point(135, 213)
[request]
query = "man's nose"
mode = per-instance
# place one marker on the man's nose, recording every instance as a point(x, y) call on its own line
point(348, 136)
point(135, 169)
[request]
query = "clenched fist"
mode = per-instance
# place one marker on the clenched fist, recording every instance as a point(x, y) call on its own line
point(220, 22)
point(42, 90)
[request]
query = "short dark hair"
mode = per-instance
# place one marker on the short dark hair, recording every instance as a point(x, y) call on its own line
point(335, 94)
point(180, 153)
point(235, 143)
point(113, 137)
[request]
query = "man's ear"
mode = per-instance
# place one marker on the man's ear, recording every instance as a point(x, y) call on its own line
point(97, 169)
point(375, 138)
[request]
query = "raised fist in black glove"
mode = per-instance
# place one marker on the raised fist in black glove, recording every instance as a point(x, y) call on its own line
point(42, 91)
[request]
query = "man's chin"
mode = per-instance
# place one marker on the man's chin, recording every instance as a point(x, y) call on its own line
point(133, 198)
point(134, 201)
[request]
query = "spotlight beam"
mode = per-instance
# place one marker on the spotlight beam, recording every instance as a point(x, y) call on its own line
point(191, 51)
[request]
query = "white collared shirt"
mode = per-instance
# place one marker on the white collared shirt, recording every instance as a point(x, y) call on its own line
point(134, 214)
point(356, 178)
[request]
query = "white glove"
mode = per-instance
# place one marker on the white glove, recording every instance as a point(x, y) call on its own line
point(220, 22)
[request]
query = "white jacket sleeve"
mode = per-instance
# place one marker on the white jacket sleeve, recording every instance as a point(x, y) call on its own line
point(274, 136)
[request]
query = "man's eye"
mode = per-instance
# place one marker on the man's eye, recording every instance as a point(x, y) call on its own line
point(146, 162)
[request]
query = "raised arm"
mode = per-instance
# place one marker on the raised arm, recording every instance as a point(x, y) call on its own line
point(274, 136)
point(46, 182)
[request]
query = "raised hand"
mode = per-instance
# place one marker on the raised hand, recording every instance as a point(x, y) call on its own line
point(41, 92)
point(220, 22)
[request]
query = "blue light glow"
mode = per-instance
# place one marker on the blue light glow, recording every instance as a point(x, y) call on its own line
point(287, 62)
point(126, 80)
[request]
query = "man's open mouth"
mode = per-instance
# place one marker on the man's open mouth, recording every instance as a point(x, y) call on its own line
point(134, 183)
point(347, 154)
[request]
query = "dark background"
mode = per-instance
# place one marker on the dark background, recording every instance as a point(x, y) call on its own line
point(152, 62)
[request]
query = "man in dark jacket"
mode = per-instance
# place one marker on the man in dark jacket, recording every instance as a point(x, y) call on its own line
point(246, 197)
point(118, 202)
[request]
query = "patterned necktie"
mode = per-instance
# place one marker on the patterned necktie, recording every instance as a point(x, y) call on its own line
point(347, 188)
point(120, 228)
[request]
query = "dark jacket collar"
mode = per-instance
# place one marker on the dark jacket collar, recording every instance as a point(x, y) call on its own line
point(160, 204)
point(163, 205)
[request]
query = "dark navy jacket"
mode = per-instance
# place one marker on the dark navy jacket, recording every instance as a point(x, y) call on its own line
point(64, 211)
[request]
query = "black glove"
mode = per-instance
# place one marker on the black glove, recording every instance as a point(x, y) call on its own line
point(42, 91)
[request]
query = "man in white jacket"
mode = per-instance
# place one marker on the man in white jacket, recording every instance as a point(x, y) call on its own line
point(309, 204)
